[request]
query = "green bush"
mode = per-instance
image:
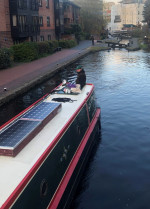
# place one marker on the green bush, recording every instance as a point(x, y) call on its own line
point(85, 36)
point(67, 43)
point(72, 43)
point(53, 45)
point(5, 58)
point(25, 52)
point(43, 48)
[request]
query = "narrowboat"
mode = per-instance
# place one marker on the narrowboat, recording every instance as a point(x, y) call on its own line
point(43, 150)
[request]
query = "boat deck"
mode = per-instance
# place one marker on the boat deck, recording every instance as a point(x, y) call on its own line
point(14, 169)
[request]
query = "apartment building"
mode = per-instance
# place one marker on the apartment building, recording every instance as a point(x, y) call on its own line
point(24, 20)
point(34, 20)
point(127, 15)
point(107, 11)
point(5, 27)
point(71, 14)
point(46, 20)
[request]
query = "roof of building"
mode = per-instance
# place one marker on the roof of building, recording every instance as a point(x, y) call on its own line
point(71, 3)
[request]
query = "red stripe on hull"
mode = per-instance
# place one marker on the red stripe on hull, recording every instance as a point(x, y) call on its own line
point(64, 183)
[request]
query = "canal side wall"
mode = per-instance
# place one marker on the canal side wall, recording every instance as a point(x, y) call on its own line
point(20, 85)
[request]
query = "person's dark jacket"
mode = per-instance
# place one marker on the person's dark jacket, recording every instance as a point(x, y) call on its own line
point(81, 78)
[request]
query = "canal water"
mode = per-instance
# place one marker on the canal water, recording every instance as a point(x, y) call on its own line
point(118, 174)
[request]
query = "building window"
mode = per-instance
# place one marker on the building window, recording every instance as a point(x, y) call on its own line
point(57, 22)
point(62, 20)
point(35, 23)
point(14, 20)
point(41, 21)
point(117, 19)
point(19, 4)
point(49, 37)
point(40, 3)
point(22, 20)
point(57, 5)
point(48, 21)
point(47, 3)
point(34, 5)
point(60, 4)
point(41, 38)
point(22, 4)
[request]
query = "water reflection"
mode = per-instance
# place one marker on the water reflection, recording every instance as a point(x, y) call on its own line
point(84, 181)
point(13, 108)
point(120, 177)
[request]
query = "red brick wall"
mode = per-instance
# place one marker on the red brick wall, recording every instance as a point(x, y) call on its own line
point(45, 33)
point(5, 29)
point(69, 13)
point(45, 12)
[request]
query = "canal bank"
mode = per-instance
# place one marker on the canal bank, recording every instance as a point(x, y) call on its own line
point(17, 80)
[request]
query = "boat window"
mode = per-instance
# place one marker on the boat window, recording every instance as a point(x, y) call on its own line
point(43, 188)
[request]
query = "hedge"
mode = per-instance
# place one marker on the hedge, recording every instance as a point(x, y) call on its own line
point(5, 58)
point(67, 43)
point(26, 51)
point(43, 48)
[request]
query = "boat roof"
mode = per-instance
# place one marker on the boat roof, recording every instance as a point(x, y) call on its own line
point(14, 169)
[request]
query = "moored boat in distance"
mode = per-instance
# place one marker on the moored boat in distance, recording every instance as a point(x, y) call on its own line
point(43, 150)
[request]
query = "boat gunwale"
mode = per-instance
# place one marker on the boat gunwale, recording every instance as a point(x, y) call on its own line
point(27, 178)
point(64, 182)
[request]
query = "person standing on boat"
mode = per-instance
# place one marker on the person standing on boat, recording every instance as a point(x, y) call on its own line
point(81, 77)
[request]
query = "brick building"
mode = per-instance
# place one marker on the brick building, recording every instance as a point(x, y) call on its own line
point(46, 20)
point(71, 18)
point(71, 14)
point(5, 28)
point(34, 20)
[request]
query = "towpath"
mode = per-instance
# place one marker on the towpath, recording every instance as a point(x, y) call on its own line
point(22, 77)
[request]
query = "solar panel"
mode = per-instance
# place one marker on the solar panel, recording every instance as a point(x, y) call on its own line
point(12, 136)
point(18, 134)
point(41, 111)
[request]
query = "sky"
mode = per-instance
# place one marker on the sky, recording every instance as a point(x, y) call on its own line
point(111, 1)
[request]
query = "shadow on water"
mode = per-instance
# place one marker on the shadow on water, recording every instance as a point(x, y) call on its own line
point(17, 105)
point(83, 184)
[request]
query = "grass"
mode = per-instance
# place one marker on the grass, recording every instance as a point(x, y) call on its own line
point(98, 48)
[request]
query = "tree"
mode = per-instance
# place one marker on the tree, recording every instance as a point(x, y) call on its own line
point(91, 16)
point(146, 12)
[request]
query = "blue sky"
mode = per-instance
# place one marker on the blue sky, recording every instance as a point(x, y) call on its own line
point(112, 1)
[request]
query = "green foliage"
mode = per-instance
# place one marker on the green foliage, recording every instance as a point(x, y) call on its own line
point(55, 44)
point(143, 46)
point(25, 52)
point(5, 58)
point(139, 33)
point(146, 12)
point(52, 45)
point(74, 29)
point(67, 43)
point(85, 35)
point(98, 48)
point(136, 33)
point(43, 48)
point(91, 16)
point(29, 51)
